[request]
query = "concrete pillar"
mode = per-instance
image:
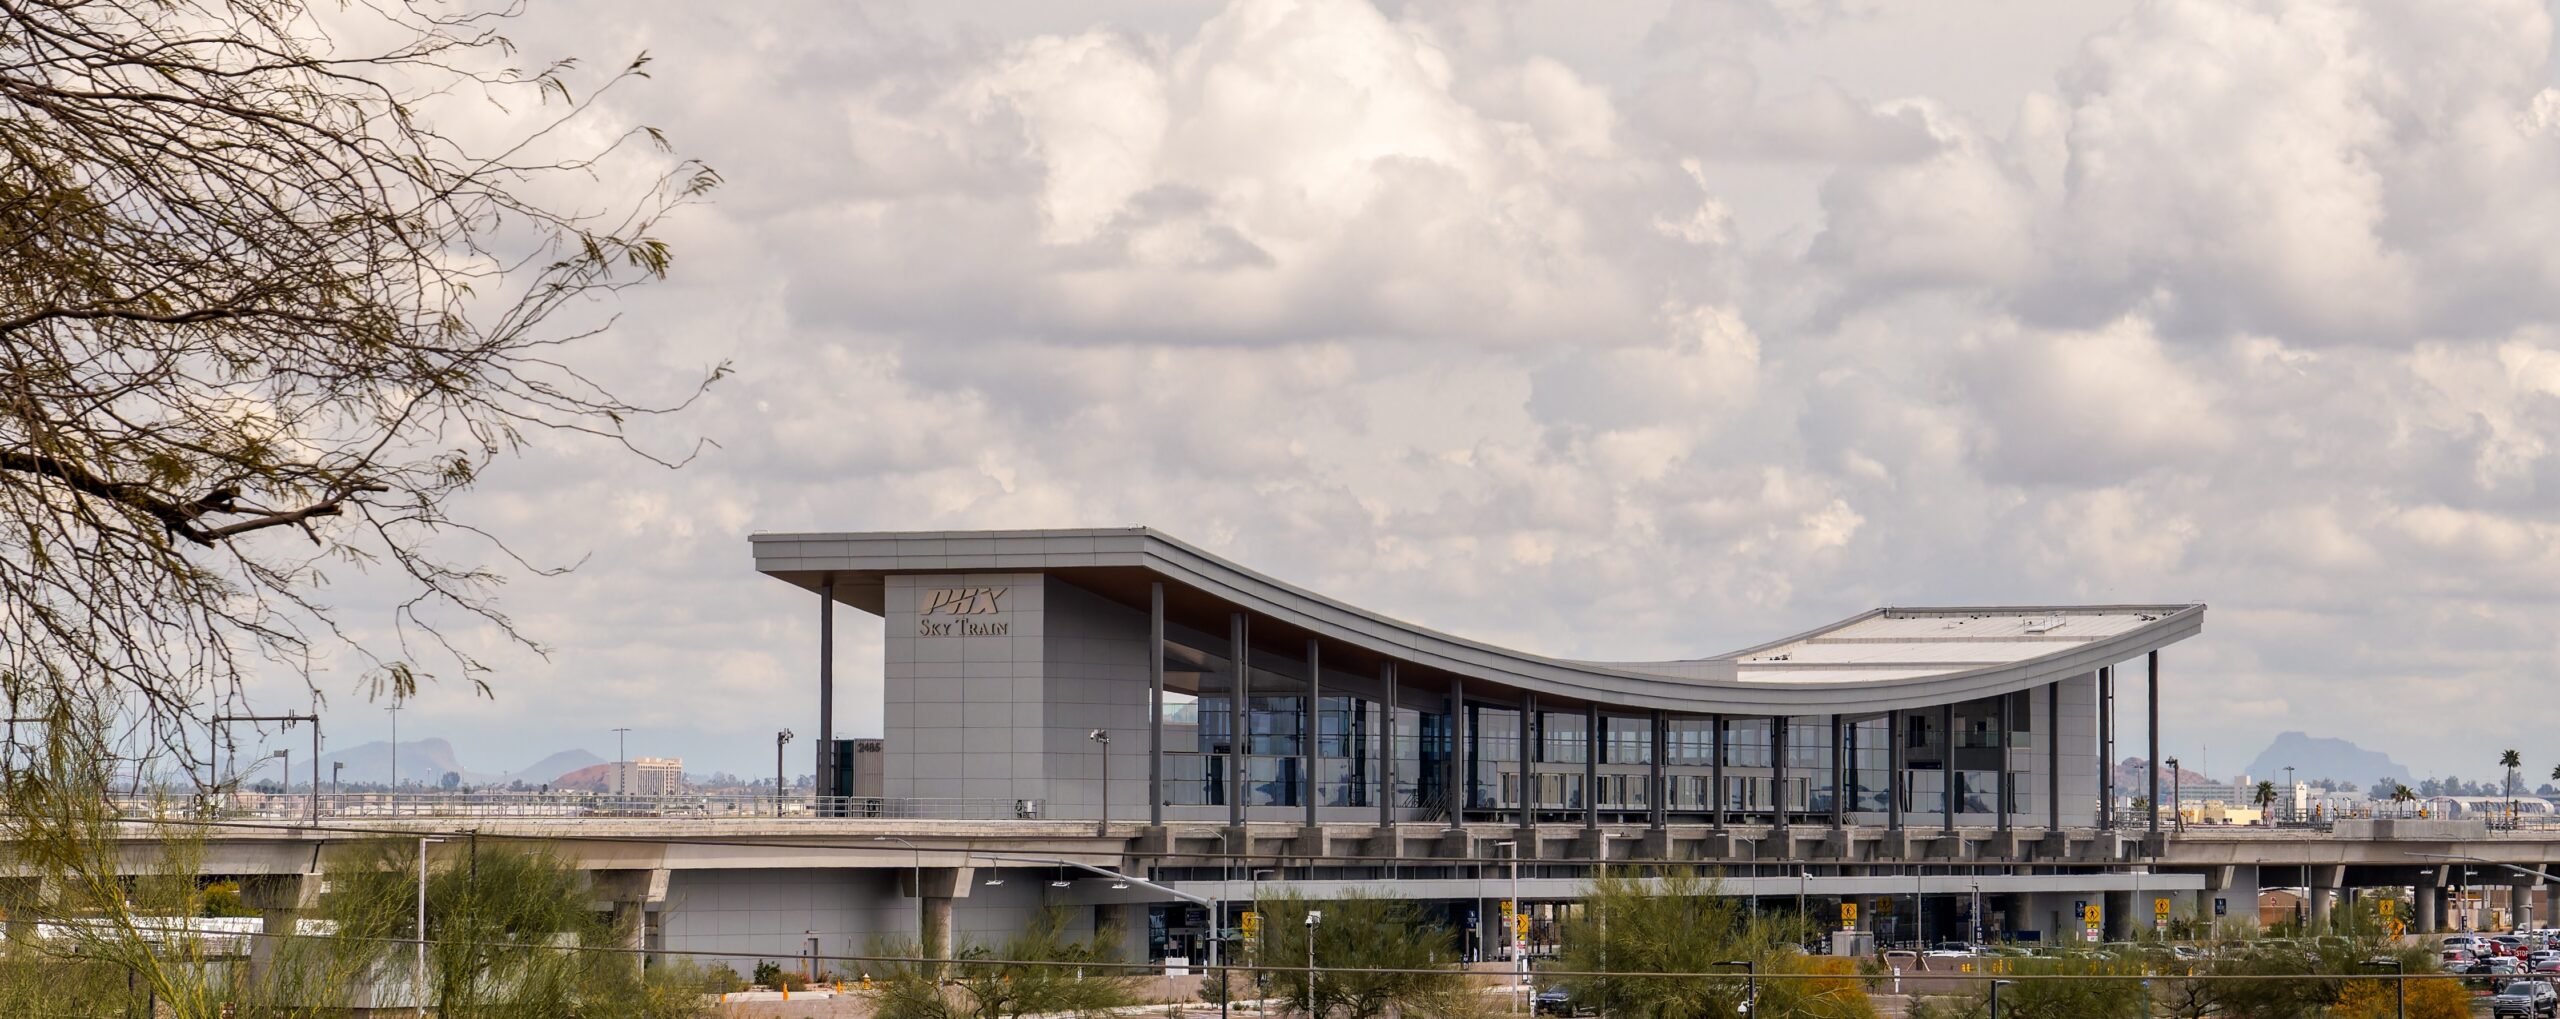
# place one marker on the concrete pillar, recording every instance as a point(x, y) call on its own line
point(280, 900)
point(1239, 738)
point(942, 885)
point(2316, 907)
point(2429, 906)
point(2524, 902)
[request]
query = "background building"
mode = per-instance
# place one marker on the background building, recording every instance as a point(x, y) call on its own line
point(646, 776)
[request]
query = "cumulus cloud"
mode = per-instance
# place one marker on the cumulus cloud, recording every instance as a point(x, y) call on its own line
point(1585, 339)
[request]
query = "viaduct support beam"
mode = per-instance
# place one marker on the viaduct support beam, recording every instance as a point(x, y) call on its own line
point(1456, 790)
point(2053, 757)
point(1155, 706)
point(1947, 764)
point(1778, 805)
point(1591, 749)
point(1387, 745)
point(1715, 771)
point(1659, 801)
point(2107, 747)
point(2152, 763)
point(2427, 906)
point(1893, 780)
point(826, 692)
point(1528, 762)
point(1311, 736)
point(1239, 738)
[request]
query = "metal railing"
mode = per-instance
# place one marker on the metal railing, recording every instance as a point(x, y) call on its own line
point(343, 807)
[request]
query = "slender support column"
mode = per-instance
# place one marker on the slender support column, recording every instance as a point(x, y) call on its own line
point(1716, 771)
point(1456, 791)
point(1894, 737)
point(2106, 747)
point(2053, 757)
point(2000, 737)
point(1528, 761)
point(1310, 739)
point(1387, 745)
point(1660, 801)
point(1239, 640)
point(1155, 705)
point(826, 691)
point(1947, 763)
point(2152, 763)
point(1591, 748)
point(1839, 774)
point(1778, 813)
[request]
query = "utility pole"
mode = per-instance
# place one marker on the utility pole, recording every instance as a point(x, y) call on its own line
point(1103, 736)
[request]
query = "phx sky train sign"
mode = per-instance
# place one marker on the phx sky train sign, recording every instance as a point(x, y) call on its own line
point(970, 612)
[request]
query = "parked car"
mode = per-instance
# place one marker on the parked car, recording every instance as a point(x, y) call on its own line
point(2536, 957)
point(2495, 966)
point(2526, 999)
point(1557, 1001)
point(2455, 957)
point(2509, 944)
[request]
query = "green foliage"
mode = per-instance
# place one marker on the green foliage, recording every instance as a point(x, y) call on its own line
point(2080, 987)
point(1065, 974)
point(1684, 925)
point(1358, 932)
point(511, 932)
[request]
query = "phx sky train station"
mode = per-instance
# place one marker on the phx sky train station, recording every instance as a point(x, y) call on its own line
point(1226, 733)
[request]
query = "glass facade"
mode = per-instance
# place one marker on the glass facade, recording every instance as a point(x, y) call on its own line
point(1347, 739)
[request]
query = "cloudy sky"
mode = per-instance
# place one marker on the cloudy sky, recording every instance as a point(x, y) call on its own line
point(1647, 331)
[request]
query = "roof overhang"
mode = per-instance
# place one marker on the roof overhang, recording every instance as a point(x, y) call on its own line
point(1860, 671)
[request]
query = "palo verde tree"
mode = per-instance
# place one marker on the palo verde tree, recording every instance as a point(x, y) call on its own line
point(1043, 969)
point(1664, 948)
point(1371, 954)
point(512, 933)
point(261, 319)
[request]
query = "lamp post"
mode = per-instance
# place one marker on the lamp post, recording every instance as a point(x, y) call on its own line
point(779, 739)
point(1511, 931)
point(2177, 809)
point(2399, 983)
point(1315, 919)
point(420, 973)
point(923, 936)
point(285, 771)
point(335, 767)
point(1750, 983)
point(1103, 736)
point(1996, 985)
point(395, 745)
point(2290, 799)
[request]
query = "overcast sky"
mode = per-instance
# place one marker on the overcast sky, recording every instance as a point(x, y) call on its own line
point(1654, 330)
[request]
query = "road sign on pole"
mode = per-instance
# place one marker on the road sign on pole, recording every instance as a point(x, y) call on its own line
point(1848, 916)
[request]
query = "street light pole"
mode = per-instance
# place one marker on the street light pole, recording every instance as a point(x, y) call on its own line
point(1750, 983)
point(1511, 931)
point(2399, 983)
point(1996, 985)
point(779, 739)
point(923, 936)
point(395, 745)
point(2177, 788)
point(1315, 919)
point(1103, 736)
point(420, 974)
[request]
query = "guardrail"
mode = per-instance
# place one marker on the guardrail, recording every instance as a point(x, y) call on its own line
point(377, 806)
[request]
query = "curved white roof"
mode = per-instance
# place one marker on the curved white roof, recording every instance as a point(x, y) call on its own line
point(1878, 660)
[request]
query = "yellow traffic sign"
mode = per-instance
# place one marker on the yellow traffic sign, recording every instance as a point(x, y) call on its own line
point(1848, 914)
point(1252, 924)
point(2160, 908)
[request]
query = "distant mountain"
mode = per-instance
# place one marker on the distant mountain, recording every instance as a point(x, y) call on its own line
point(2313, 757)
point(548, 770)
point(427, 761)
point(594, 778)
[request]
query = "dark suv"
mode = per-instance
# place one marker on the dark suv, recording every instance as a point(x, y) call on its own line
point(2526, 999)
point(1557, 1001)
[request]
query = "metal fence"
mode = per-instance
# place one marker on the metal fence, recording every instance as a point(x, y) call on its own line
point(373, 806)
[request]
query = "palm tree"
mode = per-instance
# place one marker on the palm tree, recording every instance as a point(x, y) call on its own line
point(2511, 761)
point(2401, 795)
point(2266, 797)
